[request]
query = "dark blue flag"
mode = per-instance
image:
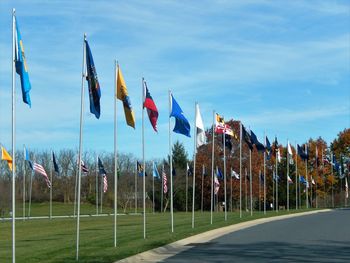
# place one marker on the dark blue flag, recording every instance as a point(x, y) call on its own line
point(101, 169)
point(219, 174)
point(94, 86)
point(259, 146)
point(140, 169)
point(303, 154)
point(247, 138)
point(182, 125)
point(55, 165)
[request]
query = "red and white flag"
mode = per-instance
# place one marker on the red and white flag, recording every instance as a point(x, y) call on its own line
point(216, 185)
point(165, 186)
point(105, 183)
point(40, 169)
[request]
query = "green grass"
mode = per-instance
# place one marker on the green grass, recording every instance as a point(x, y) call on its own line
point(53, 240)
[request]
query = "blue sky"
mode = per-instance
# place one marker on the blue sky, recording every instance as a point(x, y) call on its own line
point(282, 67)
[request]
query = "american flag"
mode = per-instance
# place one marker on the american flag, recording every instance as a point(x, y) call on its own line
point(105, 183)
point(216, 185)
point(40, 169)
point(165, 180)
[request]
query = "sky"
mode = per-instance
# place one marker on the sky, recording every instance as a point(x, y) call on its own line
point(281, 67)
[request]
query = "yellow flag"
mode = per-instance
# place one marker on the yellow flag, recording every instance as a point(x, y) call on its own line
point(7, 157)
point(122, 94)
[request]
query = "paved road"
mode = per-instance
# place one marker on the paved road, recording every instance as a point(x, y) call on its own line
point(323, 237)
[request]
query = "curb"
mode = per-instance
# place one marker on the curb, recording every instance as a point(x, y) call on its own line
point(164, 252)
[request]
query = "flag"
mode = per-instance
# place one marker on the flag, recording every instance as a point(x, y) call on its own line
point(247, 138)
point(151, 107)
point(173, 172)
point(234, 174)
point(219, 124)
point(182, 125)
point(346, 188)
point(84, 168)
point(140, 169)
point(155, 171)
point(102, 171)
point(6, 157)
point(275, 146)
point(313, 181)
point(40, 169)
point(93, 84)
point(227, 142)
point(216, 185)
point(303, 154)
point(261, 178)
point(22, 67)
point(27, 158)
point(268, 148)
point(302, 179)
point(200, 132)
point(55, 165)
point(189, 170)
point(290, 150)
point(122, 94)
point(275, 177)
point(165, 180)
point(290, 181)
point(259, 146)
point(279, 155)
point(219, 173)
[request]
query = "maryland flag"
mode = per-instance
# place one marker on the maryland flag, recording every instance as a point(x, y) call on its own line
point(7, 157)
point(122, 94)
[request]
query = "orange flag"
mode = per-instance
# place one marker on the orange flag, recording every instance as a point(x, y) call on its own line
point(7, 157)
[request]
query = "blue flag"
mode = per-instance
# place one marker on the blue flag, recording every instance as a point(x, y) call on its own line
point(219, 173)
point(302, 179)
point(27, 158)
point(182, 125)
point(101, 169)
point(22, 67)
point(155, 171)
point(55, 165)
point(94, 86)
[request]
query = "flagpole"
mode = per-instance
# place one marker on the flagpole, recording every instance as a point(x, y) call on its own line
point(246, 188)
point(225, 172)
point(240, 169)
point(194, 161)
point(273, 191)
point(277, 151)
point(212, 171)
point(101, 191)
point(153, 189)
point(115, 155)
point(171, 169)
point(162, 191)
point(287, 175)
point(96, 184)
point(13, 139)
point(51, 186)
point(307, 181)
point(30, 194)
point(80, 147)
point(251, 182)
point(316, 179)
point(186, 206)
point(136, 187)
point(265, 176)
point(24, 182)
point(259, 186)
point(296, 176)
point(202, 187)
point(143, 161)
point(231, 190)
point(332, 179)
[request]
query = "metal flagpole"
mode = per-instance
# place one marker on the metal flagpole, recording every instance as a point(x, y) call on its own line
point(136, 187)
point(51, 168)
point(231, 190)
point(101, 192)
point(273, 191)
point(296, 177)
point(246, 188)
point(316, 179)
point(203, 171)
point(13, 139)
point(171, 169)
point(187, 167)
point(225, 174)
point(80, 146)
point(143, 161)
point(307, 181)
point(30, 193)
point(153, 189)
point(332, 179)
point(240, 170)
point(162, 191)
point(277, 150)
point(212, 171)
point(24, 182)
point(265, 177)
point(96, 184)
point(259, 187)
point(115, 155)
point(287, 175)
point(194, 162)
point(251, 182)
point(75, 192)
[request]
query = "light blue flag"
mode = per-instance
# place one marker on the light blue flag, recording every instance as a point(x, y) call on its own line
point(21, 67)
point(182, 125)
point(155, 171)
point(27, 157)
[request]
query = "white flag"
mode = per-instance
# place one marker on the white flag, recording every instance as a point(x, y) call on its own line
point(278, 155)
point(234, 174)
point(290, 149)
point(199, 128)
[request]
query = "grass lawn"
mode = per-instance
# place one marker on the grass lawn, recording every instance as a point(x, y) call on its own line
point(45, 240)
